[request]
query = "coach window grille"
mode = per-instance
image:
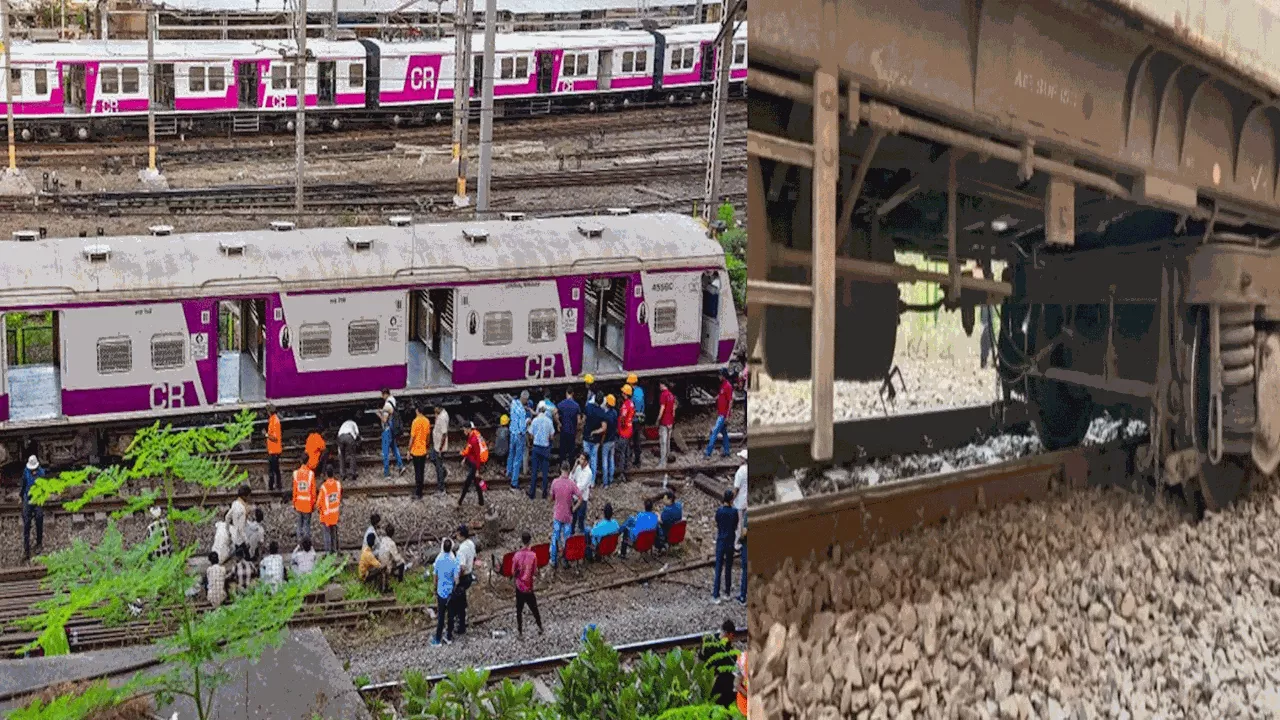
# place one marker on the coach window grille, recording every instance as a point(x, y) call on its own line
point(195, 79)
point(688, 58)
point(217, 80)
point(110, 81)
point(42, 81)
point(115, 355)
point(739, 53)
point(168, 351)
point(315, 341)
point(664, 317)
point(522, 67)
point(508, 68)
point(628, 61)
point(497, 328)
point(675, 59)
point(355, 75)
point(542, 325)
point(129, 81)
point(642, 60)
point(362, 337)
point(15, 82)
point(279, 77)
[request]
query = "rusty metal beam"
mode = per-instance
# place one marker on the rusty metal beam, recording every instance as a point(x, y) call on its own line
point(851, 198)
point(871, 271)
point(780, 149)
point(762, 293)
point(826, 176)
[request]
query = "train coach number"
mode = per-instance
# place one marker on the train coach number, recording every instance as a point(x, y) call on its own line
point(165, 395)
point(540, 367)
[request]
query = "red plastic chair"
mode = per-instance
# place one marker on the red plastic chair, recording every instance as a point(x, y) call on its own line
point(575, 548)
point(676, 533)
point(543, 551)
point(645, 541)
point(608, 545)
point(505, 568)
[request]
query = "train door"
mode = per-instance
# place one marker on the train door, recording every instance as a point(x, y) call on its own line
point(708, 62)
point(604, 325)
point(328, 82)
point(162, 86)
point(710, 343)
point(477, 75)
point(33, 365)
point(604, 70)
point(546, 72)
point(73, 87)
point(247, 85)
point(242, 351)
point(431, 337)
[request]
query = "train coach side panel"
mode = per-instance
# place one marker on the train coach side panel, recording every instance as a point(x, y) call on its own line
point(495, 337)
point(296, 328)
point(671, 342)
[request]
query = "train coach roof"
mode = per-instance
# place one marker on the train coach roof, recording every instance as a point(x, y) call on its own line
point(521, 42)
point(72, 270)
point(136, 50)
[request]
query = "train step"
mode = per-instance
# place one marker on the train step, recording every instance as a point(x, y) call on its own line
point(540, 106)
point(166, 126)
point(245, 124)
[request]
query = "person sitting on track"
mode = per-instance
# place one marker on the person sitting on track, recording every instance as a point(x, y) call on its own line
point(303, 560)
point(374, 521)
point(271, 569)
point(158, 531)
point(388, 553)
point(237, 518)
point(604, 528)
point(215, 581)
point(255, 535)
point(222, 542)
point(638, 523)
point(371, 570)
point(242, 572)
point(672, 513)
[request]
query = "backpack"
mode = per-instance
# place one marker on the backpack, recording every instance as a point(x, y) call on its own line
point(484, 451)
point(396, 427)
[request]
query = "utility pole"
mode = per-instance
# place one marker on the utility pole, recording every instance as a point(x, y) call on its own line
point(719, 109)
point(462, 18)
point(486, 107)
point(300, 120)
point(333, 25)
point(8, 91)
point(697, 12)
point(151, 177)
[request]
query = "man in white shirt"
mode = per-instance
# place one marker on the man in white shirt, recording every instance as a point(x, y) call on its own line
point(466, 555)
point(374, 521)
point(255, 534)
point(388, 553)
point(585, 480)
point(439, 444)
point(740, 498)
point(389, 447)
point(237, 518)
point(304, 557)
point(271, 569)
point(348, 446)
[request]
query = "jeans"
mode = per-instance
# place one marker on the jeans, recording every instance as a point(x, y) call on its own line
point(515, 458)
point(304, 526)
point(388, 447)
point(273, 472)
point(32, 513)
point(541, 460)
point(347, 457)
point(664, 444)
point(592, 449)
point(419, 473)
point(724, 561)
point(568, 447)
point(444, 613)
point(440, 470)
point(606, 461)
point(742, 594)
point(331, 538)
point(636, 439)
point(579, 522)
point(622, 453)
point(559, 531)
point(721, 428)
point(458, 601)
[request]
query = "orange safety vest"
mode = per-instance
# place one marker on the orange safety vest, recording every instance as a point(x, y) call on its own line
point(304, 490)
point(315, 448)
point(742, 695)
point(275, 446)
point(330, 501)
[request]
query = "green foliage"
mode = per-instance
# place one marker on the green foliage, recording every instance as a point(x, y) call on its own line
point(99, 695)
point(416, 589)
point(353, 588)
point(361, 680)
point(726, 214)
point(464, 695)
point(702, 712)
point(671, 680)
point(592, 686)
point(734, 242)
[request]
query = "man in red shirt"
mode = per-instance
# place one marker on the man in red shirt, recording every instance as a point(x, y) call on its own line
point(666, 418)
point(626, 427)
point(724, 405)
point(471, 459)
point(524, 566)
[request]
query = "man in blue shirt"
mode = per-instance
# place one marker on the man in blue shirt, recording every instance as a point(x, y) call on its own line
point(637, 399)
point(446, 567)
point(540, 432)
point(519, 428)
point(610, 440)
point(30, 512)
point(593, 432)
point(726, 535)
point(604, 528)
point(568, 411)
point(638, 523)
point(671, 514)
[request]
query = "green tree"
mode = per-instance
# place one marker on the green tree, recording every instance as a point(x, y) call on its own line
point(115, 581)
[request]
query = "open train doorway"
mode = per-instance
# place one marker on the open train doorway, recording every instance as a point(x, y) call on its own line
point(710, 343)
point(163, 86)
point(432, 332)
point(247, 85)
point(604, 71)
point(327, 85)
point(708, 62)
point(546, 72)
point(242, 350)
point(604, 325)
point(73, 88)
point(32, 370)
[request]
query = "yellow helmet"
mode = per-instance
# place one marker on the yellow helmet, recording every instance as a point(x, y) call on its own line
point(632, 379)
point(505, 420)
point(588, 378)
point(610, 400)
point(626, 390)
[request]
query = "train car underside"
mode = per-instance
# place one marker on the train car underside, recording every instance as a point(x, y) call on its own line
point(1128, 184)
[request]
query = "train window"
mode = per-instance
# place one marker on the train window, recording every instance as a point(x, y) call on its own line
point(688, 58)
point(642, 61)
point(664, 317)
point(42, 81)
point(628, 61)
point(129, 80)
point(355, 75)
point(542, 325)
point(195, 79)
point(15, 82)
point(522, 67)
point(217, 80)
point(315, 341)
point(497, 328)
point(362, 337)
point(739, 53)
point(577, 64)
point(168, 351)
point(279, 77)
point(115, 355)
point(508, 68)
point(110, 80)
point(675, 59)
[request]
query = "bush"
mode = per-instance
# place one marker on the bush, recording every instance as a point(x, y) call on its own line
point(734, 243)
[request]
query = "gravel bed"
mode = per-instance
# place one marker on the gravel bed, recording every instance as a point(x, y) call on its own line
point(671, 606)
point(1092, 603)
point(931, 384)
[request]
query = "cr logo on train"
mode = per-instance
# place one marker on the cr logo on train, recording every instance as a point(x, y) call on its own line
point(165, 395)
point(540, 367)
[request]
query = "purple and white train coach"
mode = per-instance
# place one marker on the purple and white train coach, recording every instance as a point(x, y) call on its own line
point(187, 324)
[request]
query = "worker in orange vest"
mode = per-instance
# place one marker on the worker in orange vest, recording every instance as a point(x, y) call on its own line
point(315, 448)
point(304, 497)
point(330, 505)
point(742, 682)
point(275, 446)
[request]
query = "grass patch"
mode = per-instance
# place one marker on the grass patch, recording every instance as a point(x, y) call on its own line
point(938, 334)
point(354, 588)
point(418, 588)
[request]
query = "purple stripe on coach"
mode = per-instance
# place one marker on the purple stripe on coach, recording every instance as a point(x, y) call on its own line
point(127, 399)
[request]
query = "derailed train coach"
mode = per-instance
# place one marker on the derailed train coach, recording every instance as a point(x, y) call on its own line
point(155, 327)
point(1120, 157)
